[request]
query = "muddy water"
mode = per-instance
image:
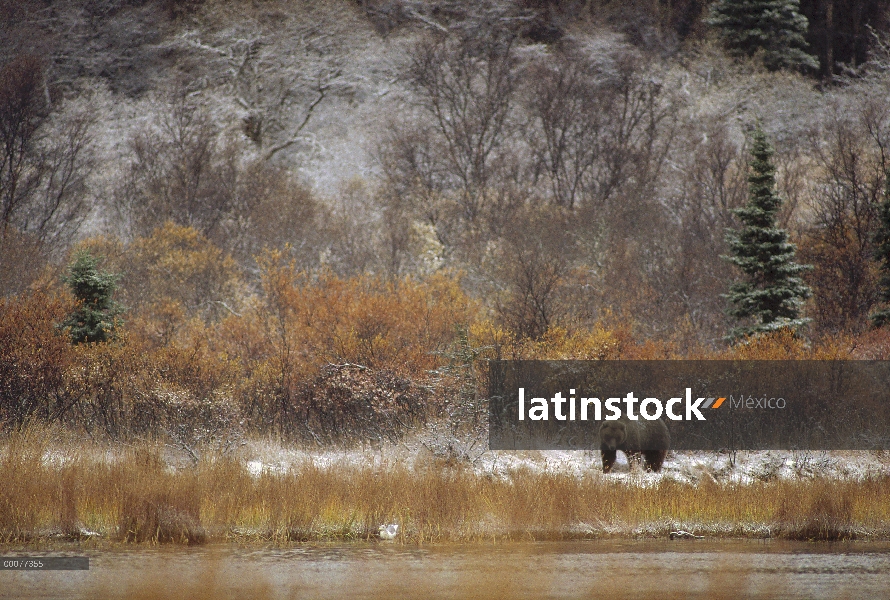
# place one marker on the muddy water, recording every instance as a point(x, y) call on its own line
point(614, 569)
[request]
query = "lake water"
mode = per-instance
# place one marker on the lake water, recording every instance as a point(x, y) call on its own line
point(603, 568)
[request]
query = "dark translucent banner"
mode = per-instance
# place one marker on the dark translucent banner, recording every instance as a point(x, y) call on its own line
point(705, 405)
point(44, 563)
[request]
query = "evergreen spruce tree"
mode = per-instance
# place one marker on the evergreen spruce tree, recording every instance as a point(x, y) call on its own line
point(772, 293)
point(881, 240)
point(95, 318)
point(774, 29)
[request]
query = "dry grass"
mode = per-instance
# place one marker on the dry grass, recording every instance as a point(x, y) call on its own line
point(137, 497)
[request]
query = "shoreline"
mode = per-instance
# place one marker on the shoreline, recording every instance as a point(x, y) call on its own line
point(51, 545)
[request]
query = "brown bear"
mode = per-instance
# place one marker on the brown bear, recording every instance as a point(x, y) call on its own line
point(649, 438)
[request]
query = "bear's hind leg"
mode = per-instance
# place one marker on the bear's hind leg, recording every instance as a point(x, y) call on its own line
point(653, 460)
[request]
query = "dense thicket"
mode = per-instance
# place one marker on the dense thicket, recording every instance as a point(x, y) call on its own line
point(881, 239)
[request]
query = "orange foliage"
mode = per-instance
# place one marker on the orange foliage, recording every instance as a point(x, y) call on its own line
point(197, 348)
point(556, 343)
point(169, 278)
point(785, 344)
point(872, 345)
point(599, 342)
point(398, 324)
point(34, 356)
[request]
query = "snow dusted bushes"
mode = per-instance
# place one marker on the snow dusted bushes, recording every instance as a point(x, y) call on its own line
point(348, 402)
point(266, 362)
point(203, 357)
point(199, 357)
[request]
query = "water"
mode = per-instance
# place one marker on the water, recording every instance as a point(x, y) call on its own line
point(614, 569)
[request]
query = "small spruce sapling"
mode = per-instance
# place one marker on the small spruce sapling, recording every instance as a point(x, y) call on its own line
point(96, 316)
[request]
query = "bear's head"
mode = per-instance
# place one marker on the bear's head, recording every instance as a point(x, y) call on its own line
point(613, 434)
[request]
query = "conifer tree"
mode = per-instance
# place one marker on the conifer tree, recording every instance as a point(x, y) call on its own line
point(773, 29)
point(95, 318)
point(881, 241)
point(772, 293)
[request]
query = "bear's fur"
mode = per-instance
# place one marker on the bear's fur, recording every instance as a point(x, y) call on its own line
point(649, 438)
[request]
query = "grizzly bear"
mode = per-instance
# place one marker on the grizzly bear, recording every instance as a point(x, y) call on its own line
point(649, 438)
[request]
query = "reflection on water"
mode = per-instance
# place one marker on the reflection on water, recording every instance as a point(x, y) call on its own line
point(638, 569)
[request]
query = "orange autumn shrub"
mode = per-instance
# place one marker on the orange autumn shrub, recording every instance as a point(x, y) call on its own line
point(786, 344)
point(398, 324)
point(300, 323)
point(873, 344)
point(556, 343)
point(202, 355)
point(176, 275)
point(597, 342)
point(34, 357)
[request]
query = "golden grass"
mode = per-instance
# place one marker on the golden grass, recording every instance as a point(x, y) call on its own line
point(137, 497)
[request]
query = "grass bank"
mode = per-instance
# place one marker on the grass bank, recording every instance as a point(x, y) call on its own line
point(131, 494)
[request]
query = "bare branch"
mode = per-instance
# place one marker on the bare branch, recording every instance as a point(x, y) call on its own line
point(295, 137)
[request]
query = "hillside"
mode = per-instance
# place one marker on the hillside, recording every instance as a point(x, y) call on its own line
point(567, 169)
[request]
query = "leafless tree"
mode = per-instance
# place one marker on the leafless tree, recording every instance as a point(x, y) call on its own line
point(599, 126)
point(711, 171)
point(275, 211)
point(851, 150)
point(180, 171)
point(279, 100)
point(529, 268)
point(21, 114)
point(566, 103)
point(45, 160)
point(467, 85)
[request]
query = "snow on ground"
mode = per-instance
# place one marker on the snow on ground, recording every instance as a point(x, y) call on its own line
point(423, 451)
point(686, 467)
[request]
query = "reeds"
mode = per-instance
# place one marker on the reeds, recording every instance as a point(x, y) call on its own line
point(133, 495)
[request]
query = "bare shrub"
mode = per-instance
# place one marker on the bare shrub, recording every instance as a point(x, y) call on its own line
point(851, 149)
point(712, 184)
point(275, 211)
point(23, 260)
point(20, 33)
point(349, 403)
point(180, 171)
point(565, 101)
point(44, 162)
point(531, 264)
point(368, 232)
point(455, 162)
point(195, 420)
point(22, 112)
point(600, 124)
